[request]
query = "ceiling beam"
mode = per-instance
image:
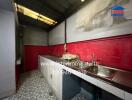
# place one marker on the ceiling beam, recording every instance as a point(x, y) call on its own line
point(41, 7)
point(45, 7)
point(60, 15)
point(73, 9)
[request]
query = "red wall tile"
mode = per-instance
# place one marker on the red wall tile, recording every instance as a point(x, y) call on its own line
point(114, 52)
point(31, 56)
point(56, 50)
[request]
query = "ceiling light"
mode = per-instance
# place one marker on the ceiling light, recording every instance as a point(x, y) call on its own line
point(82, 0)
point(33, 14)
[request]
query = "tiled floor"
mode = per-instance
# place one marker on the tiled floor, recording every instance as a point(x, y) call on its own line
point(33, 86)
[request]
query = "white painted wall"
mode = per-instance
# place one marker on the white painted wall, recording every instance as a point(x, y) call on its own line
point(7, 53)
point(57, 35)
point(34, 36)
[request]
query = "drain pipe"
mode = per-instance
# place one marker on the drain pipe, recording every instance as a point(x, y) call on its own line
point(48, 38)
point(65, 45)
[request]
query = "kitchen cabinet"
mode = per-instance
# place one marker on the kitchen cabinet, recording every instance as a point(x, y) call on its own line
point(43, 67)
point(128, 96)
point(104, 95)
point(71, 85)
point(111, 89)
point(56, 80)
point(52, 71)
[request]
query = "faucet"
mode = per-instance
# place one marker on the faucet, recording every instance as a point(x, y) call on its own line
point(94, 62)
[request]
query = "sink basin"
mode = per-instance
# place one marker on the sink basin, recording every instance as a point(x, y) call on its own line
point(101, 71)
point(83, 67)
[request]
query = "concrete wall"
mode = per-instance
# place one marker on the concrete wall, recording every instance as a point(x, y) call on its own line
point(112, 46)
point(34, 36)
point(6, 4)
point(74, 34)
point(19, 43)
point(57, 35)
point(7, 53)
point(35, 44)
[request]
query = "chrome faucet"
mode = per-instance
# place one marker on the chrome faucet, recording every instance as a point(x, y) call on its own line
point(94, 62)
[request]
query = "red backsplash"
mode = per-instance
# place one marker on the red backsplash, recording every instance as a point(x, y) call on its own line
point(31, 56)
point(115, 52)
point(56, 50)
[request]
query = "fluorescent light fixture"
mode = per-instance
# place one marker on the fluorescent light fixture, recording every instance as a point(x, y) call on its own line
point(33, 14)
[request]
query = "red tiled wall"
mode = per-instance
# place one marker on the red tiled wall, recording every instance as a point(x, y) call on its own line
point(31, 56)
point(115, 52)
point(56, 50)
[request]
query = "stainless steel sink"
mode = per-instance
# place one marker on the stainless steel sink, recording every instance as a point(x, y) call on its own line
point(85, 67)
point(101, 71)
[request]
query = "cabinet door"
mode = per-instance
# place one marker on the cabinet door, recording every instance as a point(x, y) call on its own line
point(128, 96)
point(45, 71)
point(49, 73)
point(57, 80)
point(40, 61)
point(43, 66)
point(104, 95)
point(40, 64)
point(111, 89)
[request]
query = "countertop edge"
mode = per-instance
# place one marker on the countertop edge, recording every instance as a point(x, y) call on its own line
point(115, 84)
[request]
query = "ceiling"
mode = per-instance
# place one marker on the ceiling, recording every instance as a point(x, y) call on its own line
point(57, 10)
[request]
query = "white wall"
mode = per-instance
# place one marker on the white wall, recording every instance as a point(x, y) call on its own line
point(34, 36)
point(57, 35)
point(7, 53)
